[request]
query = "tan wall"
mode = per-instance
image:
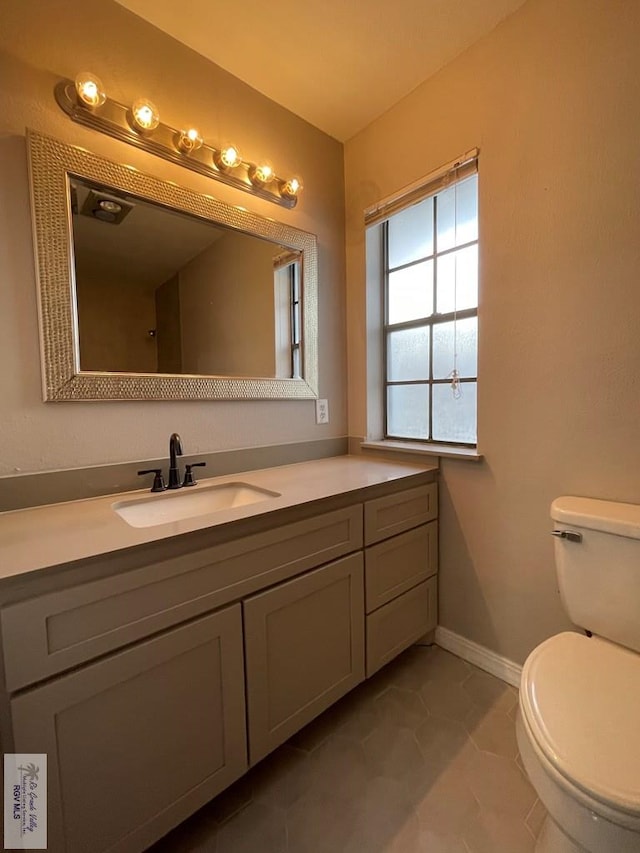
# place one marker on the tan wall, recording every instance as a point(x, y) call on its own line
point(226, 308)
point(551, 99)
point(114, 319)
point(42, 41)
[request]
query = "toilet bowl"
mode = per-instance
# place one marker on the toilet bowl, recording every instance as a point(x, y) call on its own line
point(578, 724)
point(579, 739)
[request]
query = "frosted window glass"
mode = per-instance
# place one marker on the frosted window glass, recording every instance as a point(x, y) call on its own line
point(467, 211)
point(408, 355)
point(408, 411)
point(446, 220)
point(458, 280)
point(455, 419)
point(458, 214)
point(411, 234)
point(411, 293)
point(467, 346)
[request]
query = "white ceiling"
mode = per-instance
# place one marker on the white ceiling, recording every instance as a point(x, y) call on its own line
point(337, 63)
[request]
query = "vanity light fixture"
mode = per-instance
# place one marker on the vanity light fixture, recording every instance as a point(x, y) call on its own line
point(144, 116)
point(291, 188)
point(90, 90)
point(227, 158)
point(261, 174)
point(85, 101)
point(189, 140)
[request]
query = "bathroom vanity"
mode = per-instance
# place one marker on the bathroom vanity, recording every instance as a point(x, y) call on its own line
point(154, 672)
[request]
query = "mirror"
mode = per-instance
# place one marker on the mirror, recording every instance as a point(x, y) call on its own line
point(151, 291)
point(158, 291)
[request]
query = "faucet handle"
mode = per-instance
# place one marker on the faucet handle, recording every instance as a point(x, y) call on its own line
point(158, 480)
point(189, 479)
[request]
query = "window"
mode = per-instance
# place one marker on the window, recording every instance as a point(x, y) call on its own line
point(429, 269)
point(287, 315)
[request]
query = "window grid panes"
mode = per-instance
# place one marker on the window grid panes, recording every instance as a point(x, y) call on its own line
point(431, 312)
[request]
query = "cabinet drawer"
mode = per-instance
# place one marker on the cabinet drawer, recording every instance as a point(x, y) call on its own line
point(56, 631)
point(304, 648)
point(393, 514)
point(397, 625)
point(139, 740)
point(398, 564)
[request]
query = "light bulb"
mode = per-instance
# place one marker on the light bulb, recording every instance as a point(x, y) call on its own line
point(189, 140)
point(90, 90)
point(109, 206)
point(261, 174)
point(291, 188)
point(227, 158)
point(144, 115)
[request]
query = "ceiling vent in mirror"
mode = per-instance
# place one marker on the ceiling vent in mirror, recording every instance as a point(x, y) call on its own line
point(99, 206)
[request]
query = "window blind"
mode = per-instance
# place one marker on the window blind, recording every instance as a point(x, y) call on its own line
point(439, 179)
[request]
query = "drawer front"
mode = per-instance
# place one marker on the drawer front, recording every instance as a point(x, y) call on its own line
point(400, 563)
point(394, 627)
point(304, 649)
point(56, 631)
point(393, 514)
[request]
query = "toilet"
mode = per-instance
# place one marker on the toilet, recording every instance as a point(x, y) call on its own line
point(578, 723)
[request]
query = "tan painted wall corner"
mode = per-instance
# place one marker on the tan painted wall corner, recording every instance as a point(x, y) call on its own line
point(551, 99)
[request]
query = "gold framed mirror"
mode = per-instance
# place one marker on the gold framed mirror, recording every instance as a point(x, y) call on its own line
point(151, 291)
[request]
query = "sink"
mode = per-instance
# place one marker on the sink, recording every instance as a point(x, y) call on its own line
point(189, 503)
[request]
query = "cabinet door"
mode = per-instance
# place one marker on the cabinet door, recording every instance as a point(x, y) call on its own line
point(304, 643)
point(139, 740)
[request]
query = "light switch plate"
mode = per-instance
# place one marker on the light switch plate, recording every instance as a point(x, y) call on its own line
point(322, 411)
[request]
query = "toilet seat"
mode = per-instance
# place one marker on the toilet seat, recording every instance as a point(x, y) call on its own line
point(580, 700)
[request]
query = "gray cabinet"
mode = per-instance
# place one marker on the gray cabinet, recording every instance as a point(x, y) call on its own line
point(401, 563)
point(134, 682)
point(49, 633)
point(304, 643)
point(398, 564)
point(393, 628)
point(392, 514)
point(139, 740)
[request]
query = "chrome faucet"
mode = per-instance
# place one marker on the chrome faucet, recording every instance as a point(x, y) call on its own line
point(175, 450)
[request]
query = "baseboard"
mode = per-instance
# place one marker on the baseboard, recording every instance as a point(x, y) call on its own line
point(480, 656)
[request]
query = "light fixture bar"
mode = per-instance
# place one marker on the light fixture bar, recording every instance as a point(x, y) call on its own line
point(115, 120)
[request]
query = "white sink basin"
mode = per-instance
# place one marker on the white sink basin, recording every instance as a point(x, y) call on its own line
point(189, 502)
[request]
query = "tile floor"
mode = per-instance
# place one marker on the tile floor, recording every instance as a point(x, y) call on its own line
point(422, 758)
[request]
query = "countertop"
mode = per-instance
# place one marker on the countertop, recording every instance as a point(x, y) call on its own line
point(45, 536)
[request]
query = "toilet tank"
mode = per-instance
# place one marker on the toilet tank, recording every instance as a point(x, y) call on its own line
point(599, 576)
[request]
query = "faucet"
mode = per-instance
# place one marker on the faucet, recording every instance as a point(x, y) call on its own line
point(175, 449)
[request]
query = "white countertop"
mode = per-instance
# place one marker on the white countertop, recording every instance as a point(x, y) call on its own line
point(39, 537)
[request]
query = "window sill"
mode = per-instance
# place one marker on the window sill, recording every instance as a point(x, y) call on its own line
point(446, 451)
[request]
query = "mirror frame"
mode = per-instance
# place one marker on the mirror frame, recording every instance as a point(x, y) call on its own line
point(51, 163)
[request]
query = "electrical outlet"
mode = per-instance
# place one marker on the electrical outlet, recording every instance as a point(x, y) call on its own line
point(322, 411)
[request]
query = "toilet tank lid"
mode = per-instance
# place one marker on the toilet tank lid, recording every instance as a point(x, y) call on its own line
point(607, 516)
